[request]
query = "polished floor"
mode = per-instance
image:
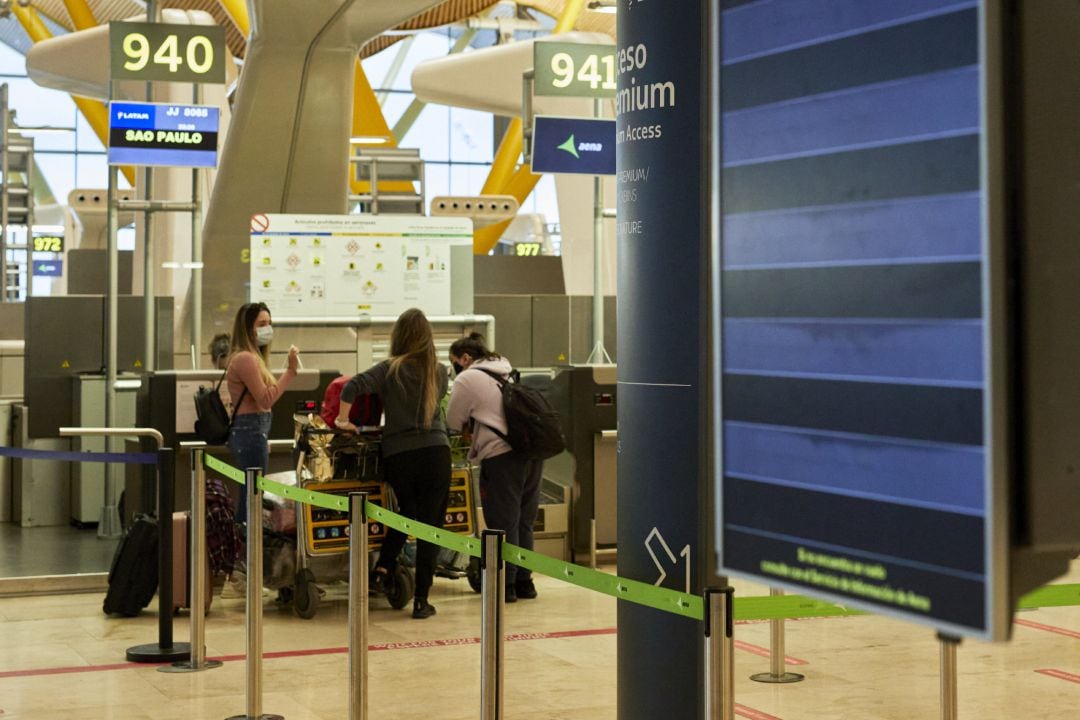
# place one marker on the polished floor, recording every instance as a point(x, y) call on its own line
point(61, 658)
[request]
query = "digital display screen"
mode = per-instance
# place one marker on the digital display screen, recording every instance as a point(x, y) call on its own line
point(853, 320)
point(163, 135)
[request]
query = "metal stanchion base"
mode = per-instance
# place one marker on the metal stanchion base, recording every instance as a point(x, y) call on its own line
point(109, 527)
point(188, 667)
point(157, 654)
point(251, 717)
point(785, 678)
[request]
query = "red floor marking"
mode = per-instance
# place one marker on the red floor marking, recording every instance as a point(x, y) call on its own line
point(764, 652)
point(752, 714)
point(375, 647)
point(69, 670)
point(1060, 675)
point(1048, 628)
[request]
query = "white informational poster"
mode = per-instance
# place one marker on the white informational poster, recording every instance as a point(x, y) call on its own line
point(348, 265)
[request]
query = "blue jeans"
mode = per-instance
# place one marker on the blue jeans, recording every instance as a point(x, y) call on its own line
point(248, 447)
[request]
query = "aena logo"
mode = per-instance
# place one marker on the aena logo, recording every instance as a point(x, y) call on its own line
point(572, 147)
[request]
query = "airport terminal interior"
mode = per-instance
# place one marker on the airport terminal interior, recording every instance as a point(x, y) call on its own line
point(794, 277)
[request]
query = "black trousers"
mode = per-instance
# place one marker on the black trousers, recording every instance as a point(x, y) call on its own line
point(421, 481)
point(510, 494)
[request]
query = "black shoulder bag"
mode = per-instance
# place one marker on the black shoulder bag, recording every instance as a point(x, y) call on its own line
point(213, 423)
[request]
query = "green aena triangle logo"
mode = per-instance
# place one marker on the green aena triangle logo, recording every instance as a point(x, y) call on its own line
point(570, 147)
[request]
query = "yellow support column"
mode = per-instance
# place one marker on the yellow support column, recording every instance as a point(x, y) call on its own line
point(368, 121)
point(82, 17)
point(237, 10)
point(96, 113)
point(503, 179)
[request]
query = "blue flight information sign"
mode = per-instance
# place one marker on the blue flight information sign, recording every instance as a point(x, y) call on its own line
point(48, 268)
point(163, 135)
point(854, 333)
point(583, 146)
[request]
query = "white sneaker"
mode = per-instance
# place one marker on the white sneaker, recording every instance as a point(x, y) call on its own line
point(235, 587)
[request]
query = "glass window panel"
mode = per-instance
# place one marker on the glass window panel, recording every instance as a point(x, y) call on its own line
point(436, 180)
point(91, 171)
point(38, 106)
point(59, 172)
point(430, 134)
point(468, 179)
point(85, 137)
point(470, 135)
point(12, 62)
point(428, 45)
point(544, 199)
point(394, 107)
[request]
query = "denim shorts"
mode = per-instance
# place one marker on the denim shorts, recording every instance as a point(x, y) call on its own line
point(248, 447)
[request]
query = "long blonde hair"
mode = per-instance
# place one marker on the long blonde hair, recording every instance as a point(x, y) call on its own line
point(243, 339)
point(411, 342)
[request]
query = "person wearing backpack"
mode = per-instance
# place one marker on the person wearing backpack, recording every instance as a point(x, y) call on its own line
point(509, 481)
point(415, 446)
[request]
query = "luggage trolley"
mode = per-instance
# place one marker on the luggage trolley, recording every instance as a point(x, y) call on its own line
point(337, 463)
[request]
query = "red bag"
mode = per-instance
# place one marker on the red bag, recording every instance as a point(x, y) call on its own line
point(366, 409)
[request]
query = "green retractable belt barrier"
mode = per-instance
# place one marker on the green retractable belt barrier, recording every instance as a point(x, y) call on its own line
point(672, 601)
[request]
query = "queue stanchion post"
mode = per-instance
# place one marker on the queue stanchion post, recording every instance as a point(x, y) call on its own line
point(719, 624)
point(777, 652)
point(197, 568)
point(949, 695)
point(358, 605)
point(253, 605)
point(165, 650)
point(492, 582)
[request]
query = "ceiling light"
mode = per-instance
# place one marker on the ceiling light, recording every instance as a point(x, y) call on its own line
point(369, 140)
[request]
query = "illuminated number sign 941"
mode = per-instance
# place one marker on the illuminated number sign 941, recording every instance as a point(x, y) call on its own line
point(527, 249)
point(175, 53)
point(574, 69)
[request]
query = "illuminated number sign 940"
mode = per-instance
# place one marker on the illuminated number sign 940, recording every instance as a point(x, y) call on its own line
point(175, 53)
point(574, 69)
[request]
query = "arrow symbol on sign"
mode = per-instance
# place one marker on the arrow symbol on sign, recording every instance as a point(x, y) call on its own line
point(655, 533)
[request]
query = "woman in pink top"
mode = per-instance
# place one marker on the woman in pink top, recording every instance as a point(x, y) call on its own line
point(253, 389)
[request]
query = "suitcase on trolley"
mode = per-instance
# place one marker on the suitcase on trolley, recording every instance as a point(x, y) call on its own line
point(181, 568)
point(133, 574)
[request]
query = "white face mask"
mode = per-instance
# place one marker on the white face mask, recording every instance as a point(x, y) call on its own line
point(264, 334)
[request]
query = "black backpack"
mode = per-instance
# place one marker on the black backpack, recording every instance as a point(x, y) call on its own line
point(533, 428)
point(213, 423)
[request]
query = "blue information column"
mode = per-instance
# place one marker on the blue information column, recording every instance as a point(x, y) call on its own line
point(662, 396)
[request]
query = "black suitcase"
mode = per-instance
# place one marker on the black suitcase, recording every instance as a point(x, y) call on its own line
point(133, 575)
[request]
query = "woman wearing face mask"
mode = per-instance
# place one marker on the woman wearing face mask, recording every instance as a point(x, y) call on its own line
point(253, 389)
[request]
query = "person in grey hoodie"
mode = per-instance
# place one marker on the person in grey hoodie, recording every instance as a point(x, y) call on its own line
point(415, 446)
point(509, 483)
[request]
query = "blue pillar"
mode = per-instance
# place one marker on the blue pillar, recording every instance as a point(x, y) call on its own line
point(662, 282)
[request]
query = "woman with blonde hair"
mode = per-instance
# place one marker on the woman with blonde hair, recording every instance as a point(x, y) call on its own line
point(415, 448)
point(253, 389)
